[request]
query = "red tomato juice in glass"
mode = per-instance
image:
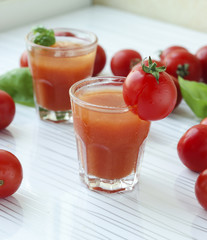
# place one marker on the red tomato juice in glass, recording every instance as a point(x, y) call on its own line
point(110, 138)
point(53, 77)
point(56, 68)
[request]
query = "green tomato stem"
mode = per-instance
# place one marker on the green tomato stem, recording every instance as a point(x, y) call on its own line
point(153, 69)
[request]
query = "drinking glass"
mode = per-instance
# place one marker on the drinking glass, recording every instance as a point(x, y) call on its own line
point(110, 137)
point(55, 68)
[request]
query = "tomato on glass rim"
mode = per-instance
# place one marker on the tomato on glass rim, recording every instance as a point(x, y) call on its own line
point(192, 149)
point(201, 189)
point(150, 92)
point(123, 61)
point(11, 173)
point(175, 80)
point(184, 64)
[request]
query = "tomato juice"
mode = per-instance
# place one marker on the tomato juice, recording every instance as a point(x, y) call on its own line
point(109, 136)
point(53, 76)
point(57, 67)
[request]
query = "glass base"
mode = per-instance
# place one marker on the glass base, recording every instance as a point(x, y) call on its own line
point(110, 186)
point(55, 116)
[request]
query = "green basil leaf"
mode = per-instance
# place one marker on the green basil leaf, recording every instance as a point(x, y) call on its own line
point(39, 29)
point(44, 40)
point(18, 84)
point(44, 36)
point(195, 95)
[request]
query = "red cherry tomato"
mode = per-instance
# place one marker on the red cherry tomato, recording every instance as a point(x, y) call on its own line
point(192, 148)
point(201, 54)
point(184, 64)
point(165, 52)
point(179, 94)
point(7, 109)
point(64, 34)
point(123, 61)
point(100, 60)
point(24, 59)
point(150, 100)
point(175, 80)
point(201, 189)
point(204, 121)
point(10, 174)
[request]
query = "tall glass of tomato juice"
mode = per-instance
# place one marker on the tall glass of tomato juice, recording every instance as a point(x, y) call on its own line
point(56, 68)
point(110, 137)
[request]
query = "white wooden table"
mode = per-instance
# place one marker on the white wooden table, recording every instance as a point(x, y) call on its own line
point(52, 203)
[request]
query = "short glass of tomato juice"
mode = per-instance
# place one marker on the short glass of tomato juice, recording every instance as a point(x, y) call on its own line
point(56, 68)
point(110, 137)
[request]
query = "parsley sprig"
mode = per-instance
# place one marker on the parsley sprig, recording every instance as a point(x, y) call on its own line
point(44, 36)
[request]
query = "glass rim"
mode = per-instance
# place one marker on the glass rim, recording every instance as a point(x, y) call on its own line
point(92, 81)
point(90, 44)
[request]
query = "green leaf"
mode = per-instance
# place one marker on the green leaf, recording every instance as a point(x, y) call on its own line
point(44, 36)
point(44, 40)
point(18, 84)
point(39, 29)
point(195, 95)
